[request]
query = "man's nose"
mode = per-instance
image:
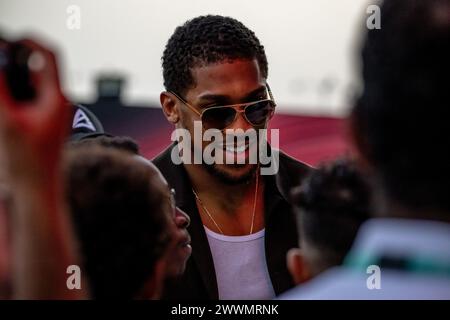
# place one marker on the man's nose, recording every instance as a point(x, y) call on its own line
point(240, 122)
point(182, 220)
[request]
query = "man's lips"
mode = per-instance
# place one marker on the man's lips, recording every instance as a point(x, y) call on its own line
point(237, 148)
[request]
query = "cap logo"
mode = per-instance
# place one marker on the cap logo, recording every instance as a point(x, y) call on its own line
point(81, 120)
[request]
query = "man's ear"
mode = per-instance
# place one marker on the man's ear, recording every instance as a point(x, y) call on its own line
point(169, 106)
point(297, 266)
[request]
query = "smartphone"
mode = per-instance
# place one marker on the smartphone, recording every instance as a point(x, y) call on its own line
point(14, 57)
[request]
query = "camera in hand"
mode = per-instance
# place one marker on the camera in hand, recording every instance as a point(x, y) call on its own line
point(14, 57)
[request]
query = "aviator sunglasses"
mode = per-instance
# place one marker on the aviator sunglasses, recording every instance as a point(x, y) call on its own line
point(221, 117)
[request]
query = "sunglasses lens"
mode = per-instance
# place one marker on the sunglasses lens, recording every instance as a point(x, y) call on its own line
point(257, 113)
point(218, 118)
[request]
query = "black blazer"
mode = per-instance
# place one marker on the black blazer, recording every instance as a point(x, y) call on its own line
point(199, 280)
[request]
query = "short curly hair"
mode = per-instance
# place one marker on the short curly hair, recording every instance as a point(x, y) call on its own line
point(206, 40)
point(331, 204)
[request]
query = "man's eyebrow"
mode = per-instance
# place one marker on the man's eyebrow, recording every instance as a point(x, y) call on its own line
point(255, 92)
point(225, 98)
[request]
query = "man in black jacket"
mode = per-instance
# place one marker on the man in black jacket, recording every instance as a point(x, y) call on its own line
point(242, 226)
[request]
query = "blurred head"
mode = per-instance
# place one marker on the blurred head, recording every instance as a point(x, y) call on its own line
point(180, 253)
point(213, 61)
point(400, 120)
point(331, 204)
point(123, 219)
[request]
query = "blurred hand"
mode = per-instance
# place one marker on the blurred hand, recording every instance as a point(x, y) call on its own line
point(32, 133)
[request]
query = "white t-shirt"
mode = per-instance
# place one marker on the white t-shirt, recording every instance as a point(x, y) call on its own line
point(241, 268)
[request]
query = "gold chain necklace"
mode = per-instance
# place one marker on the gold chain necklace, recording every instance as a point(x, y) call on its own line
point(214, 221)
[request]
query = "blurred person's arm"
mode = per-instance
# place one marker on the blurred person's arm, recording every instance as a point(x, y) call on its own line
point(31, 137)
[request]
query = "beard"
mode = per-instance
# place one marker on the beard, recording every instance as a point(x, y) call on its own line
point(228, 177)
point(230, 174)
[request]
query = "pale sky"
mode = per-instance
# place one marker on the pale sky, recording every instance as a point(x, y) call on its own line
point(310, 45)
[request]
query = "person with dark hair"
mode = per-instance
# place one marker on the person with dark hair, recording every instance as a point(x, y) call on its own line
point(180, 254)
point(122, 213)
point(331, 204)
point(177, 258)
point(215, 71)
point(400, 131)
point(121, 209)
